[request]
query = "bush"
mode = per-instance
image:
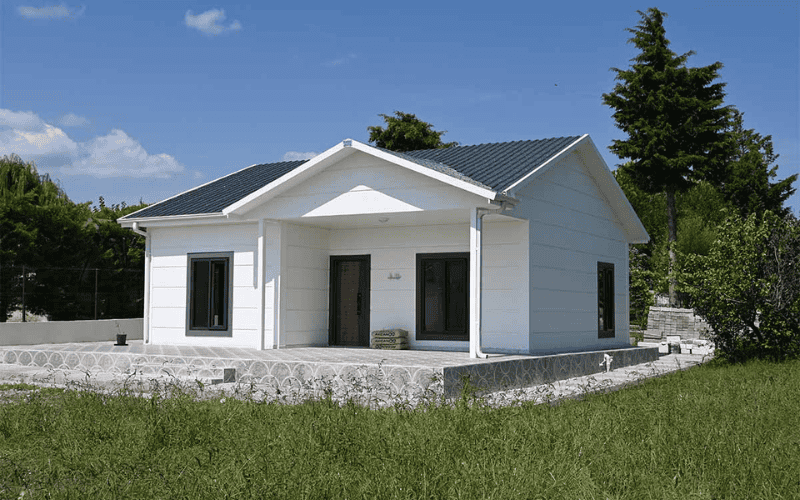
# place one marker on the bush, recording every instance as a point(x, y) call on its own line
point(641, 280)
point(748, 287)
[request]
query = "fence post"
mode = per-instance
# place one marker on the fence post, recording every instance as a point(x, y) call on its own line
point(95, 293)
point(24, 279)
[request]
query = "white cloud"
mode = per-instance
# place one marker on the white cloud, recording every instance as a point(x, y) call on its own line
point(26, 134)
point(51, 12)
point(297, 155)
point(72, 120)
point(113, 155)
point(119, 155)
point(341, 60)
point(21, 120)
point(207, 22)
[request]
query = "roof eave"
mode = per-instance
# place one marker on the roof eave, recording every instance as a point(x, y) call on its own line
point(177, 219)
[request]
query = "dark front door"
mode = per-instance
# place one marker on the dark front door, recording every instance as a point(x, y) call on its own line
point(349, 307)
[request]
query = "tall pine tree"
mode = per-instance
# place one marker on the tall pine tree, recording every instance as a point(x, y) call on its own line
point(745, 177)
point(674, 119)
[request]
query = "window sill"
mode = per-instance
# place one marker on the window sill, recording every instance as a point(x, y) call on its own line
point(209, 333)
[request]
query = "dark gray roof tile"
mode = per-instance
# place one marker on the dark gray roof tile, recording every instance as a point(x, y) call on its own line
point(497, 165)
point(215, 196)
point(494, 166)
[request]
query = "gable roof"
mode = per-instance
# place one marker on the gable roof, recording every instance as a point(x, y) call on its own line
point(494, 167)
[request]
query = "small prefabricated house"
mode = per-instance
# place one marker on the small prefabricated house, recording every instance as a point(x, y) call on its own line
point(516, 247)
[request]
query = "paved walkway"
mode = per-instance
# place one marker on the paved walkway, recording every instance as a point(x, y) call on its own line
point(349, 355)
point(567, 388)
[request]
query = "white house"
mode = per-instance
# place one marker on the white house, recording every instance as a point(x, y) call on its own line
point(517, 247)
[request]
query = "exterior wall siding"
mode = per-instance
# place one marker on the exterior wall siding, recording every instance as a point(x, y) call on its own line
point(572, 227)
point(168, 282)
point(305, 302)
point(504, 321)
point(393, 250)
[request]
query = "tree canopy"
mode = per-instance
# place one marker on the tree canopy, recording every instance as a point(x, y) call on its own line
point(406, 132)
point(748, 286)
point(673, 116)
point(745, 178)
point(51, 246)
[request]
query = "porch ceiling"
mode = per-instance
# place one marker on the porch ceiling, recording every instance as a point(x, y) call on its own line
point(421, 218)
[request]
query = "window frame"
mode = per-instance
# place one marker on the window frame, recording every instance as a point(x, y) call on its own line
point(421, 333)
point(604, 270)
point(225, 330)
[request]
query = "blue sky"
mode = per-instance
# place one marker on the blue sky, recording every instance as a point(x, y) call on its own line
point(144, 99)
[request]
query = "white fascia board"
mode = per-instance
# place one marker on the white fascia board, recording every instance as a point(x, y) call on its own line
point(179, 220)
point(447, 179)
point(544, 167)
point(270, 190)
point(614, 194)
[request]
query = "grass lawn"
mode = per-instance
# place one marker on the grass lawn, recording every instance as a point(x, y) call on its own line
point(714, 431)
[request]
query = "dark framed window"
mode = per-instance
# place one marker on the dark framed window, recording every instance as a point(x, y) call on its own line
point(209, 294)
point(443, 296)
point(605, 300)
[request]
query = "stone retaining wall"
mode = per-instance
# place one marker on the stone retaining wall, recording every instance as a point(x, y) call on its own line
point(663, 321)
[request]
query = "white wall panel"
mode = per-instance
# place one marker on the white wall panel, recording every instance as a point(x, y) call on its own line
point(168, 277)
point(361, 184)
point(572, 227)
point(169, 317)
point(168, 282)
point(394, 250)
point(163, 297)
point(305, 289)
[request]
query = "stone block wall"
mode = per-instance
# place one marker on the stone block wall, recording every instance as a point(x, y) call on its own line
point(663, 321)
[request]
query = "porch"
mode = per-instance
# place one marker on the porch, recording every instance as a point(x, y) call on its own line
point(315, 370)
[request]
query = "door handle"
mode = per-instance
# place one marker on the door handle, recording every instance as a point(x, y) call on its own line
point(358, 304)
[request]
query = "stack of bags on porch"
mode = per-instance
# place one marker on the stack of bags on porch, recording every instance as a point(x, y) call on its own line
point(389, 339)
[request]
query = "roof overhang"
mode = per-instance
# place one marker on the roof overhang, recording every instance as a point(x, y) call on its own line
point(182, 220)
point(585, 148)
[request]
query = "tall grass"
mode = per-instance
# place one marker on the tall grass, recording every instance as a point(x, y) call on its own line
point(714, 431)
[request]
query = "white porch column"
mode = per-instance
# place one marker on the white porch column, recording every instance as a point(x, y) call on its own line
point(260, 264)
point(270, 259)
point(475, 271)
point(147, 260)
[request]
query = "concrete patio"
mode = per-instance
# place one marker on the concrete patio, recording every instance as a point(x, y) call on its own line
point(407, 373)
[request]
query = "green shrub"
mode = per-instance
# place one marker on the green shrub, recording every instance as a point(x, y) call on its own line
point(748, 287)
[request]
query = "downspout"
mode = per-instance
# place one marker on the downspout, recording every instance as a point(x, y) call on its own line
point(147, 261)
point(262, 241)
point(476, 230)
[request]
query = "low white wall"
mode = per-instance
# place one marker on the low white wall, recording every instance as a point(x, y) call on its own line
point(59, 332)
